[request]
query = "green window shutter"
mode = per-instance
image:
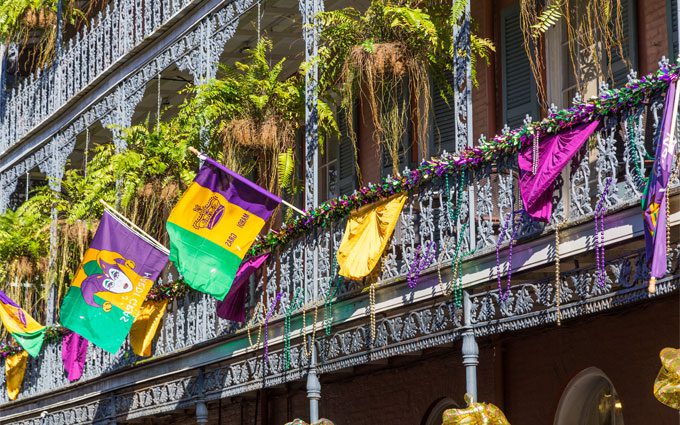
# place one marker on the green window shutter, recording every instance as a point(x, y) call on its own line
point(619, 68)
point(346, 157)
point(443, 119)
point(519, 87)
point(672, 25)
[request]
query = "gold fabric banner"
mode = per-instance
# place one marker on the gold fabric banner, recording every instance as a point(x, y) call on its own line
point(15, 368)
point(146, 325)
point(366, 235)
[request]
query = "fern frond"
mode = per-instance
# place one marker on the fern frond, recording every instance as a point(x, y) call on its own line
point(286, 168)
point(549, 17)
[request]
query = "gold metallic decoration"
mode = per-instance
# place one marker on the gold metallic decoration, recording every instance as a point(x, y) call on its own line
point(667, 383)
point(474, 414)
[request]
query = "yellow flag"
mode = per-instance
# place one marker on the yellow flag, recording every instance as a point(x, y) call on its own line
point(667, 383)
point(146, 325)
point(366, 235)
point(15, 368)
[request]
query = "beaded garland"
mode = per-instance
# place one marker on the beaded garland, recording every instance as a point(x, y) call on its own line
point(611, 101)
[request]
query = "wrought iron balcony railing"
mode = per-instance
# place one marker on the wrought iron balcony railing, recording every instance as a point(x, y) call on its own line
point(616, 151)
point(113, 34)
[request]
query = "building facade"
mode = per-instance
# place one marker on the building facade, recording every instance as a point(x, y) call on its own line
point(560, 349)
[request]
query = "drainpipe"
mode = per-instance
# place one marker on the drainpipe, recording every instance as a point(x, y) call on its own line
point(470, 349)
point(313, 388)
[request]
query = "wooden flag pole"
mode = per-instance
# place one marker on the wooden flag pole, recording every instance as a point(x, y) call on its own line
point(135, 227)
point(283, 201)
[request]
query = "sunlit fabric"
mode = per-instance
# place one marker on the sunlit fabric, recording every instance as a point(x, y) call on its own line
point(25, 330)
point(475, 414)
point(146, 325)
point(667, 383)
point(15, 368)
point(554, 153)
point(655, 196)
point(366, 235)
point(74, 354)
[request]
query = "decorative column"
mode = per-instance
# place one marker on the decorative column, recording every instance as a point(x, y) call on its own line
point(201, 413)
point(470, 349)
point(201, 407)
point(309, 9)
point(313, 387)
point(310, 31)
point(462, 69)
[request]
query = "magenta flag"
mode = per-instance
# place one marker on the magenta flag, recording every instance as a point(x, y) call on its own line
point(234, 305)
point(654, 199)
point(554, 153)
point(73, 354)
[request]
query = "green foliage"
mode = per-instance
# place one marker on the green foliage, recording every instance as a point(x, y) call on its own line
point(251, 116)
point(22, 21)
point(546, 19)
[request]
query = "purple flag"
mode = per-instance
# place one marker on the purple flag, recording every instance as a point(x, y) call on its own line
point(234, 305)
point(73, 354)
point(654, 200)
point(554, 153)
point(110, 286)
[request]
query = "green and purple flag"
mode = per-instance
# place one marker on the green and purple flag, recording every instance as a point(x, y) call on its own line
point(23, 328)
point(214, 224)
point(654, 200)
point(108, 290)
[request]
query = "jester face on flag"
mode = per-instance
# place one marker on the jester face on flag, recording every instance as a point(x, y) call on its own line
point(214, 224)
point(25, 330)
point(111, 284)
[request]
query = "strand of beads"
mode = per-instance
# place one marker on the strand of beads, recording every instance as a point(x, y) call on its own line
point(422, 259)
point(307, 350)
point(638, 174)
point(294, 305)
point(262, 310)
point(598, 216)
point(272, 307)
point(330, 296)
point(509, 218)
point(558, 279)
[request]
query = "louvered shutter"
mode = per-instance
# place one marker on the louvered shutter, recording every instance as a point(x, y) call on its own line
point(519, 87)
point(620, 69)
point(672, 24)
point(346, 161)
point(444, 119)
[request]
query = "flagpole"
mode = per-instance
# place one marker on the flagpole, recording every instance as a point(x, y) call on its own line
point(135, 227)
point(283, 201)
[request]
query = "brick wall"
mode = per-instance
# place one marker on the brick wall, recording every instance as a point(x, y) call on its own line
point(652, 34)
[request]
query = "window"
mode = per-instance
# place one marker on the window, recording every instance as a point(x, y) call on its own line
point(443, 117)
point(341, 163)
point(519, 87)
point(590, 399)
point(566, 70)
